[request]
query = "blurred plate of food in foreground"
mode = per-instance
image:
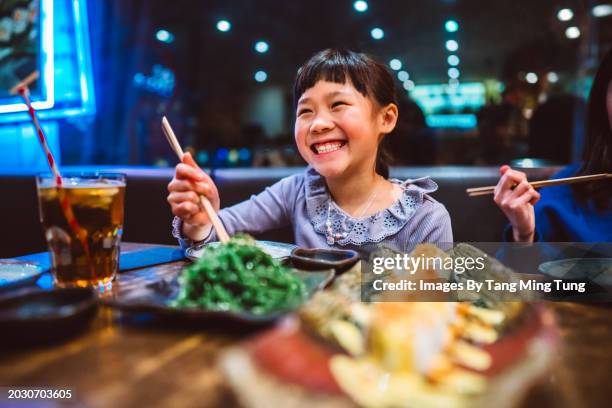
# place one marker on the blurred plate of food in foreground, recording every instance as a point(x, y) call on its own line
point(345, 352)
point(236, 281)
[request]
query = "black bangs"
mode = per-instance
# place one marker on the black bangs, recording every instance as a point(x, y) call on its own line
point(337, 66)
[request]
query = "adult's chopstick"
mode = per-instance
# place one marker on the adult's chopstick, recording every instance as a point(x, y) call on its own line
point(210, 211)
point(478, 191)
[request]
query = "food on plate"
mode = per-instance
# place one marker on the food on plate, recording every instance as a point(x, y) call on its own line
point(239, 276)
point(353, 346)
point(403, 353)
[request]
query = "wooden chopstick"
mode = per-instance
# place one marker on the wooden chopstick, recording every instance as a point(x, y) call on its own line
point(478, 191)
point(210, 211)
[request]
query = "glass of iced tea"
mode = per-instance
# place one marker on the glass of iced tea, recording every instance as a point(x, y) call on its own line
point(83, 224)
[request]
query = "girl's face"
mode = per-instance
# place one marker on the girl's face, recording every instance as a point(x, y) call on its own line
point(337, 129)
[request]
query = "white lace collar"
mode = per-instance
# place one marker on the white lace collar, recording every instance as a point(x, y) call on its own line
point(372, 229)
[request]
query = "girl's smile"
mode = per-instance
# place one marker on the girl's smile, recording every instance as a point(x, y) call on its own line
point(325, 148)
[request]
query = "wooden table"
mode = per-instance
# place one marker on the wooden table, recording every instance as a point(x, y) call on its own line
point(122, 362)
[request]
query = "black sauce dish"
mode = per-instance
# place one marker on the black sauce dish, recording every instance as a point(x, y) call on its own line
point(324, 258)
point(36, 317)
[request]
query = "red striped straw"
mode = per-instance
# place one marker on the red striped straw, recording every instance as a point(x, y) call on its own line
point(24, 92)
point(66, 207)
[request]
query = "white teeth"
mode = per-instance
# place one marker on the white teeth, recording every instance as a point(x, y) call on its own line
point(328, 147)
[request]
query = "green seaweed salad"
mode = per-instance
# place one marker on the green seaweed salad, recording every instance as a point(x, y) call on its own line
point(239, 276)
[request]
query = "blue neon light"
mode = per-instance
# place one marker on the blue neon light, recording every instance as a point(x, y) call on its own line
point(436, 98)
point(164, 36)
point(46, 16)
point(445, 106)
point(464, 121)
point(84, 57)
point(66, 64)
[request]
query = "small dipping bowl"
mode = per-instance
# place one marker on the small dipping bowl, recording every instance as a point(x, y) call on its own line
point(324, 258)
point(37, 316)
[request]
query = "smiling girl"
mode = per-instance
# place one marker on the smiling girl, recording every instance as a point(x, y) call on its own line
point(345, 105)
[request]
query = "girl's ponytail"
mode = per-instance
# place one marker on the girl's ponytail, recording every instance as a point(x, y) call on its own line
point(383, 159)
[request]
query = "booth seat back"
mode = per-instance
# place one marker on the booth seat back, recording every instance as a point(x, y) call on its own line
point(148, 216)
point(147, 213)
point(474, 219)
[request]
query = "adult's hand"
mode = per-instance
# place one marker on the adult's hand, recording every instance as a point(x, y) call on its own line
point(516, 198)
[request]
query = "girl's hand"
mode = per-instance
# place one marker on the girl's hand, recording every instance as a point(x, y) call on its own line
point(184, 196)
point(517, 203)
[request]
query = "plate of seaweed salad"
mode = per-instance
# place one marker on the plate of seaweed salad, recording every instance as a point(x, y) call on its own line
point(236, 280)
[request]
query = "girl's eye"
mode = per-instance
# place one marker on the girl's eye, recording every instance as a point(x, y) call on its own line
point(337, 104)
point(303, 111)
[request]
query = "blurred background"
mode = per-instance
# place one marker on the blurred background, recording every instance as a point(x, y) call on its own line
point(480, 81)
